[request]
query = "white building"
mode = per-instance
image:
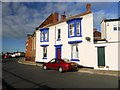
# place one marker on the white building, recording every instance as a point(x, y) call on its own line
point(72, 38)
point(107, 48)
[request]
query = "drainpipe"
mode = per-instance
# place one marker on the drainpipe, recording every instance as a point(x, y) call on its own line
point(55, 35)
point(105, 31)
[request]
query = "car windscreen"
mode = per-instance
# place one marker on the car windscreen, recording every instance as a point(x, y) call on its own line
point(66, 60)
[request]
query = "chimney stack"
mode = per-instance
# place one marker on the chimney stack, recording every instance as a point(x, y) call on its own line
point(63, 17)
point(88, 7)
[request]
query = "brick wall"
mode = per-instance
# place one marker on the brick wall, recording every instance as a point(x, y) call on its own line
point(30, 48)
point(53, 18)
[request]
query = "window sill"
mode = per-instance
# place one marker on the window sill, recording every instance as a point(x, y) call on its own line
point(44, 41)
point(44, 58)
point(74, 36)
point(59, 39)
point(75, 60)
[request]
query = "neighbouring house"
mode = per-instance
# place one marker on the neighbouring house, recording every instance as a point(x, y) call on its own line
point(70, 37)
point(96, 34)
point(30, 47)
point(107, 47)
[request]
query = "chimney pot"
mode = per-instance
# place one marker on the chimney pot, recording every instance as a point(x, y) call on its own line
point(88, 7)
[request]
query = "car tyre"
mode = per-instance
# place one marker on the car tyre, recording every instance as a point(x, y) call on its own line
point(60, 69)
point(44, 67)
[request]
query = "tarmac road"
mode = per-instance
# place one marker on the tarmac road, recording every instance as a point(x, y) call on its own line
point(15, 75)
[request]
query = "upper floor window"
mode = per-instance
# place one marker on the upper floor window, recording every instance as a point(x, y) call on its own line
point(118, 28)
point(71, 29)
point(59, 35)
point(115, 28)
point(78, 28)
point(74, 27)
point(44, 35)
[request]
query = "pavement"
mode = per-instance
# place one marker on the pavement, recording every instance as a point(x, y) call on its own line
point(81, 69)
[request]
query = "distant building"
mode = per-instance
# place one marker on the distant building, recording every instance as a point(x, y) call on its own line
point(96, 34)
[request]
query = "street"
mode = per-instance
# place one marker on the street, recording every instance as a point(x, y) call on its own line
point(15, 75)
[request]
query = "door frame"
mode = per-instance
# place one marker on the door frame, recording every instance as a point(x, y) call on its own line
point(56, 50)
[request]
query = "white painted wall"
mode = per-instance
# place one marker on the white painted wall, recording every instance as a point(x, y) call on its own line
point(111, 56)
point(107, 31)
point(86, 49)
point(111, 47)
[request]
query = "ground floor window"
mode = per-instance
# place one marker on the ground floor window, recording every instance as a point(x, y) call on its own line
point(74, 51)
point(44, 52)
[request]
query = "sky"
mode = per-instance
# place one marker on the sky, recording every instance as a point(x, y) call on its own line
point(22, 18)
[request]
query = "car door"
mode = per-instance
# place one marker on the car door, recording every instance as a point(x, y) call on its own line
point(56, 64)
point(51, 64)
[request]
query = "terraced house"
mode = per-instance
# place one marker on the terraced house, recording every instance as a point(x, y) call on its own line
point(73, 38)
point(70, 38)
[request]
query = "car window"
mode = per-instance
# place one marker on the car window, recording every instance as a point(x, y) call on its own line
point(52, 61)
point(57, 61)
point(66, 60)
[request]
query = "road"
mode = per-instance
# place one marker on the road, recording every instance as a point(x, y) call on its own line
point(15, 75)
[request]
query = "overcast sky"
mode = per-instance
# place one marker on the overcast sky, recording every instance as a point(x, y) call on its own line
point(21, 18)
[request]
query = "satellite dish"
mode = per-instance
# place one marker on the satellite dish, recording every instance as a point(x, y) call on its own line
point(88, 39)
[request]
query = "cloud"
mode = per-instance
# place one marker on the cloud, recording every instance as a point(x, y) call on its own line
point(100, 15)
point(18, 20)
point(21, 18)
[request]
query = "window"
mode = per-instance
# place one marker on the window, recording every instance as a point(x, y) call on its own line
point(59, 34)
point(71, 29)
point(115, 28)
point(78, 28)
point(44, 35)
point(74, 52)
point(118, 28)
point(74, 27)
point(52, 61)
point(44, 52)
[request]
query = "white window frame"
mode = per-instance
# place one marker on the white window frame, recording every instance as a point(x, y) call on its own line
point(46, 36)
point(74, 51)
point(77, 28)
point(42, 36)
point(71, 28)
point(44, 52)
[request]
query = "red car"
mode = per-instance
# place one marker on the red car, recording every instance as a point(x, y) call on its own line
point(60, 64)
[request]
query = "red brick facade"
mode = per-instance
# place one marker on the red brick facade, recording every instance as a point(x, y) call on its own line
point(53, 18)
point(30, 48)
point(97, 34)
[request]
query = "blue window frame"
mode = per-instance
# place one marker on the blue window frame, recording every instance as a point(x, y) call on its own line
point(56, 50)
point(74, 28)
point(44, 35)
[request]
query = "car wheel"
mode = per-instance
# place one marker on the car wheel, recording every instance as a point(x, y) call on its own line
point(60, 69)
point(44, 68)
